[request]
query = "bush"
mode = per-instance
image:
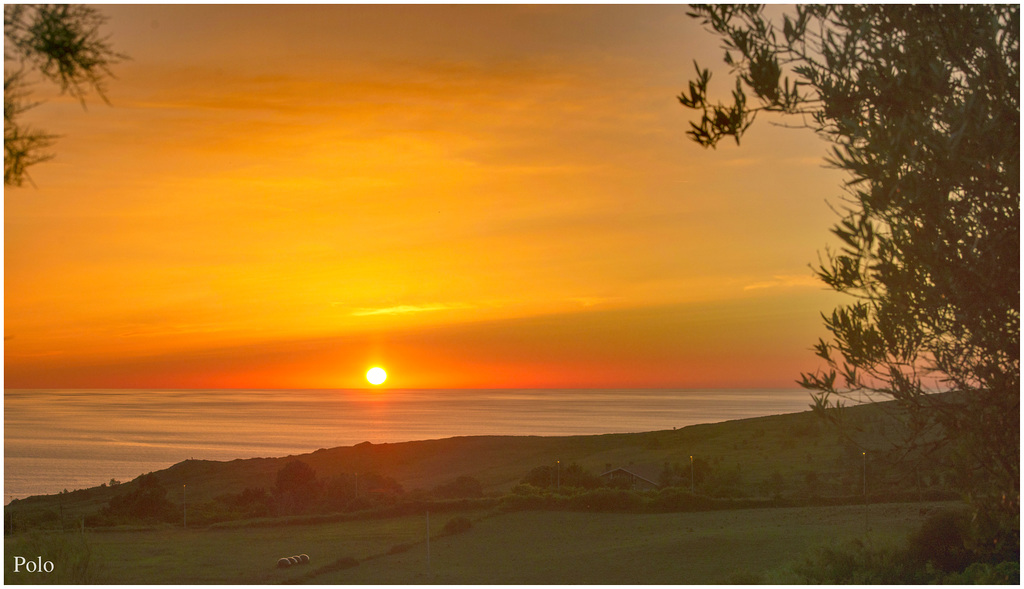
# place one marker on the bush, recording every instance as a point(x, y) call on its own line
point(677, 499)
point(941, 541)
point(855, 563)
point(1005, 573)
point(456, 525)
point(460, 488)
point(541, 476)
point(606, 500)
point(526, 489)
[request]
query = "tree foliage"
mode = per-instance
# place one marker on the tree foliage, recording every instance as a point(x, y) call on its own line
point(461, 487)
point(921, 106)
point(62, 43)
point(297, 486)
point(147, 502)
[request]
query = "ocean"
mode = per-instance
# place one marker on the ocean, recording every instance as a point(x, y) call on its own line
point(74, 439)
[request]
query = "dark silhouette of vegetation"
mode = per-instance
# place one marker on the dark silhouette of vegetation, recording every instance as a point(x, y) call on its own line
point(699, 468)
point(921, 104)
point(146, 503)
point(297, 487)
point(61, 43)
point(857, 563)
point(942, 541)
point(295, 493)
point(298, 490)
point(251, 502)
point(569, 476)
point(461, 487)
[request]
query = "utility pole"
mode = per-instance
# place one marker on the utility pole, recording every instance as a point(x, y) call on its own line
point(558, 474)
point(691, 475)
point(865, 455)
point(184, 506)
point(430, 571)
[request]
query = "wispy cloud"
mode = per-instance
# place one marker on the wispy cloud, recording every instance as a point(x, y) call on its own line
point(785, 281)
point(401, 309)
point(591, 301)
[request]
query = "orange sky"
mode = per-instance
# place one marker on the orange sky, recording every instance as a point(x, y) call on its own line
point(491, 196)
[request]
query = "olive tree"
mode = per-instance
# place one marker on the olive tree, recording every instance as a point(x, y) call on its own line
point(921, 107)
point(62, 44)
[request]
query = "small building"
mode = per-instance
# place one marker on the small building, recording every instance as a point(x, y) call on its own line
point(631, 477)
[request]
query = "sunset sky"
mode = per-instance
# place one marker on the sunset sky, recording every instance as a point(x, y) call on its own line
point(496, 196)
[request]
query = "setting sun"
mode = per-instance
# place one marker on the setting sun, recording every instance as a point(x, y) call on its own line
point(376, 375)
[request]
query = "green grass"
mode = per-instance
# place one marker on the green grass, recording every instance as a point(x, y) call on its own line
point(518, 547)
point(677, 548)
point(70, 554)
point(241, 555)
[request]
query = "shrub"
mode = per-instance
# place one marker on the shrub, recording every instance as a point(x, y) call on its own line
point(677, 499)
point(855, 563)
point(526, 489)
point(541, 476)
point(461, 487)
point(942, 541)
point(607, 500)
point(979, 573)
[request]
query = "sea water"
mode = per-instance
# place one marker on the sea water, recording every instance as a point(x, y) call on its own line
point(72, 439)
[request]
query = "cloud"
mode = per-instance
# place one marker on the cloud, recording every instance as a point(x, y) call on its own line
point(401, 309)
point(591, 301)
point(786, 281)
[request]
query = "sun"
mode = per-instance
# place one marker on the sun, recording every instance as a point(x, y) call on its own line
point(376, 375)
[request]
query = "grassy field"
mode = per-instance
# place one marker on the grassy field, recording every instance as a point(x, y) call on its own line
point(517, 547)
point(569, 548)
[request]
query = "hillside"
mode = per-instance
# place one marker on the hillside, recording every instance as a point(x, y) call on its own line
point(797, 455)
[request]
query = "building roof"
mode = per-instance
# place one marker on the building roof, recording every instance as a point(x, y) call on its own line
point(634, 472)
